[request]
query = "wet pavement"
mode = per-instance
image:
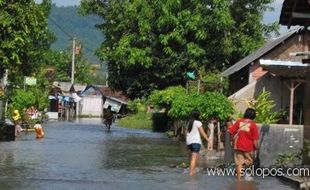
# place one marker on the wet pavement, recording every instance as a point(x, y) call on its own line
point(83, 155)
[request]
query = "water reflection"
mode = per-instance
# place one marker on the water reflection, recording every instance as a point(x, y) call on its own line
point(85, 156)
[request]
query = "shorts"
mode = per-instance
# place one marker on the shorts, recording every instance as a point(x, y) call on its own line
point(244, 158)
point(195, 147)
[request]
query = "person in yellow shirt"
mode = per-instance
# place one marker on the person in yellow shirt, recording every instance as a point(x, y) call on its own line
point(16, 116)
point(16, 119)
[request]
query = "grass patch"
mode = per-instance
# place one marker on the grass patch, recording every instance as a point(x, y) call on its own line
point(140, 120)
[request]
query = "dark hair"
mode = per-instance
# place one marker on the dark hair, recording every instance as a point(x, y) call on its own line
point(194, 116)
point(249, 114)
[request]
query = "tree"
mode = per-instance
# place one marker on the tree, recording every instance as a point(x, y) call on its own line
point(58, 67)
point(179, 104)
point(152, 44)
point(24, 36)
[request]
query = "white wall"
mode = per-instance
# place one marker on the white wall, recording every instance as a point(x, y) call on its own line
point(91, 106)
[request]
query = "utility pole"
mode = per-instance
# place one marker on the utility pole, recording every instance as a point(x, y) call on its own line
point(73, 60)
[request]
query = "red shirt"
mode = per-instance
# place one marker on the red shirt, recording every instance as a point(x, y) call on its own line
point(247, 134)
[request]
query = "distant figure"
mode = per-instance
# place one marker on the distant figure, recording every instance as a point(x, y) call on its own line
point(17, 123)
point(39, 130)
point(211, 126)
point(193, 139)
point(108, 117)
point(229, 152)
point(245, 137)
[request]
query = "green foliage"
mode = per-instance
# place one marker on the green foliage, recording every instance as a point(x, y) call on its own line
point(179, 104)
point(59, 67)
point(141, 120)
point(22, 99)
point(288, 160)
point(306, 153)
point(264, 109)
point(210, 104)
point(136, 105)
point(24, 36)
point(138, 119)
point(164, 98)
point(212, 81)
point(162, 40)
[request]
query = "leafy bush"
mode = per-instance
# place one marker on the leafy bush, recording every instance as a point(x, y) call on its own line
point(212, 81)
point(264, 109)
point(179, 104)
point(164, 98)
point(22, 99)
point(135, 106)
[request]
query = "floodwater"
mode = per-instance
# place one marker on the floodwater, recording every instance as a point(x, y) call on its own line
point(83, 155)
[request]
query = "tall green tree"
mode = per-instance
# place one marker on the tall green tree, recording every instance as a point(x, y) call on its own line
point(58, 65)
point(150, 44)
point(24, 36)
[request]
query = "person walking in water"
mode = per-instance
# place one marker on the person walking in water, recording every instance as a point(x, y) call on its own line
point(39, 130)
point(193, 139)
point(108, 117)
point(17, 123)
point(245, 137)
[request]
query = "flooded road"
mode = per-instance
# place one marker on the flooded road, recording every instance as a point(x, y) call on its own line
point(83, 155)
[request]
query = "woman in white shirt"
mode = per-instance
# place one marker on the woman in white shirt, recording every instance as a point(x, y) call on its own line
point(193, 139)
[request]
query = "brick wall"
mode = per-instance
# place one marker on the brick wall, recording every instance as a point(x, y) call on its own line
point(297, 43)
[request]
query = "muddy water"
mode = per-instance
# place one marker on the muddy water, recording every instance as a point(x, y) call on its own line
point(82, 155)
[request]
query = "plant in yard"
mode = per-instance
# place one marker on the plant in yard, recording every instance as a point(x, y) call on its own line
point(264, 107)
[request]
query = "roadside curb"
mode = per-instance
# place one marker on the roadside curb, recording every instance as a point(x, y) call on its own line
point(298, 182)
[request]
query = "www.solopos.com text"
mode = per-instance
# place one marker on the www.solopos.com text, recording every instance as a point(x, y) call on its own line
point(259, 172)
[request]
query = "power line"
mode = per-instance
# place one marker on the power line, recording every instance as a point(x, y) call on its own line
point(60, 28)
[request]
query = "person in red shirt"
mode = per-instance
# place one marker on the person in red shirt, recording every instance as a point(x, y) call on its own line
point(245, 137)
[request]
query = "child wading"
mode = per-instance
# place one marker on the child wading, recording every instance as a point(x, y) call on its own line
point(245, 140)
point(39, 130)
point(193, 139)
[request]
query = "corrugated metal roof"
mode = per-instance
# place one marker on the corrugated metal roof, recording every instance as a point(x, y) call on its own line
point(79, 87)
point(285, 68)
point(258, 53)
point(63, 86)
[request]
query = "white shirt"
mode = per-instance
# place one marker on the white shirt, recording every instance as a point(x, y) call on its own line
point(194, 135)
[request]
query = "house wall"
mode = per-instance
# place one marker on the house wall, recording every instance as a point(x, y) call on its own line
point(279, 93)
point(91, 106)
point(290, 136)
point(259, 80)
point(297, 43)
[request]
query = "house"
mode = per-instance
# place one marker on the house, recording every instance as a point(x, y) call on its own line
point(64, 100)
point(91, 103)
point(297, 13)
point(116, 99)
point(273, 68)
